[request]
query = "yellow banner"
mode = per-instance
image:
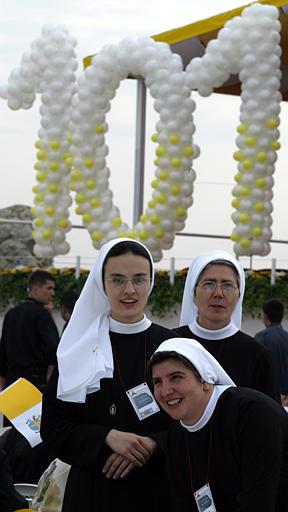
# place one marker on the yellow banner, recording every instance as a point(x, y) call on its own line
point(19, 397)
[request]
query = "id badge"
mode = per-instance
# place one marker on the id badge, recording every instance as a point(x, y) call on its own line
point(143, 401)
point(204, 499)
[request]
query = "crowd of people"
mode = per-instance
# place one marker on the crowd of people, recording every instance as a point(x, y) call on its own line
point(135, 415)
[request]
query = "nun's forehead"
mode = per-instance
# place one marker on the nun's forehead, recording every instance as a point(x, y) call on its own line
point(224, 263)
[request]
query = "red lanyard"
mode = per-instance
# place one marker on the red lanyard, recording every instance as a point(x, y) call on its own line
point(189, 459)
point(118, 366)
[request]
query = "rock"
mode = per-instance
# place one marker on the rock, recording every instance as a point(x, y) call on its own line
point(16, 242)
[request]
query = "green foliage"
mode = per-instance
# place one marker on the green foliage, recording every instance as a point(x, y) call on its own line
point(164, 298)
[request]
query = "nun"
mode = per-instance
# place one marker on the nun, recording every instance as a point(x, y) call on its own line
point(211, 313)
point(98, 410)
point(227, 448)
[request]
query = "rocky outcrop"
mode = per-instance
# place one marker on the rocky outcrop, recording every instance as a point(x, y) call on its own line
point(16, 242)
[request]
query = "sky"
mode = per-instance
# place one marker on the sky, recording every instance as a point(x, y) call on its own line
point(96, 23)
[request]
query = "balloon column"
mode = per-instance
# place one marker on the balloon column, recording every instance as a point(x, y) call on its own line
point(249, 45)
point(71, 150)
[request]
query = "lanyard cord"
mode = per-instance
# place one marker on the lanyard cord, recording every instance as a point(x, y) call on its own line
point(118, 366)
point(208, 458)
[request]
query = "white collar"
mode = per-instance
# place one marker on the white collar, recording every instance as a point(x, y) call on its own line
point(211, 334)
point(119, 327)
point(217, 392)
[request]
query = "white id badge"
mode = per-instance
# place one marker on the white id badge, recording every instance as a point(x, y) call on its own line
point(204, 499)
point(143, 401)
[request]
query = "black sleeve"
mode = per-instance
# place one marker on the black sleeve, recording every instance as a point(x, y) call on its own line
point(10, 499)
point(261, 446)
point(48, 335)
point(3, 356)
point(265, 376)
point(76, 443)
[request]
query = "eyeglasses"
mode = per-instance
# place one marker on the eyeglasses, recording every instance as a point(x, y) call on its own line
point(136, 281)
point(210, 287)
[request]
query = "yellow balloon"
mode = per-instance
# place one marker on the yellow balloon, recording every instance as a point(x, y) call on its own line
point(259, 207)
point(175, 190)
point(54, 166)
point(261, 156)
point(47, 234)
point(272, 123)
point(50, 211)
point(257, 231)
point(176, 162)
point(154, 137)
point(260, 183)
point(236, 203)
point(159, 233)
point(239, 156)
point(39, 198)
point(63, 223)
point(163, 175)
point(162, 198)
point(144, 218)
point(117, 222)
point(89, 163)
point(38, 144)
point(247, 164)
point(242, 128)
point(35, 189)
point(78, 210)
point(152, 203)
point(95, 202)
point(80, 198)
point(42, 154)
point(87, 218)
point(76, 175)
point(250, 141)
point(154, 183)
point(41, 176)
point(55, 144)
point(238, 177)
point(174, 138)
point(36, 166)
point(244, 218)
point(69, 138)
point(53, 188)
point(180, 212)
point(235, 237)
point(39, 222)
point(187, 151)
point(90, 184)
point(245, 191)
point(143, 235)
point(161, 151)
point(100, 128)
point(275, 145)
point(96, 236)
point(245, 243)
point(155, 219)
point(69, 161)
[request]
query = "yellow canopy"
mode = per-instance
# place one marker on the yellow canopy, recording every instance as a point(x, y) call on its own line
point(191, 40)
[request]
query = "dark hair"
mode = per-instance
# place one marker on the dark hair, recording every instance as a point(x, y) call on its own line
point(218, 262)
point(159, 357)
point(68, 299)
point(274, 309)
point(126, 247)
point(39, 278)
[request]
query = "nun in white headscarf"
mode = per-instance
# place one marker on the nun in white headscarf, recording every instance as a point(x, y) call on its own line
point(98, 410)
point(227, 449)
point(215, 285)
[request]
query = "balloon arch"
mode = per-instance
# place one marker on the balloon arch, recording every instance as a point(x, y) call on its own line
point(71, 148)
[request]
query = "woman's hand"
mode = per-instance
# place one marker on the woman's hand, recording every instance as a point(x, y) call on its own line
point(117, 466)
point(137, 449)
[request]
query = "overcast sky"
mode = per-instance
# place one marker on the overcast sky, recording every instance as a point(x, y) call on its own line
point(93, 24)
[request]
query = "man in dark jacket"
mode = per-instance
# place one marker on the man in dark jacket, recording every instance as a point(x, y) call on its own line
point(29, 336)
point(275, 338)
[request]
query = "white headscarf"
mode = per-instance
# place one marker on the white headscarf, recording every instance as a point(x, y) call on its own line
point(208, 368)
point(84, 353)
point(189, 310)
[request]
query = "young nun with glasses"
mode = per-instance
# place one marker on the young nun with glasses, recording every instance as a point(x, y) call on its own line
point(211, 313)
point(228, 448)
point(98, 411)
